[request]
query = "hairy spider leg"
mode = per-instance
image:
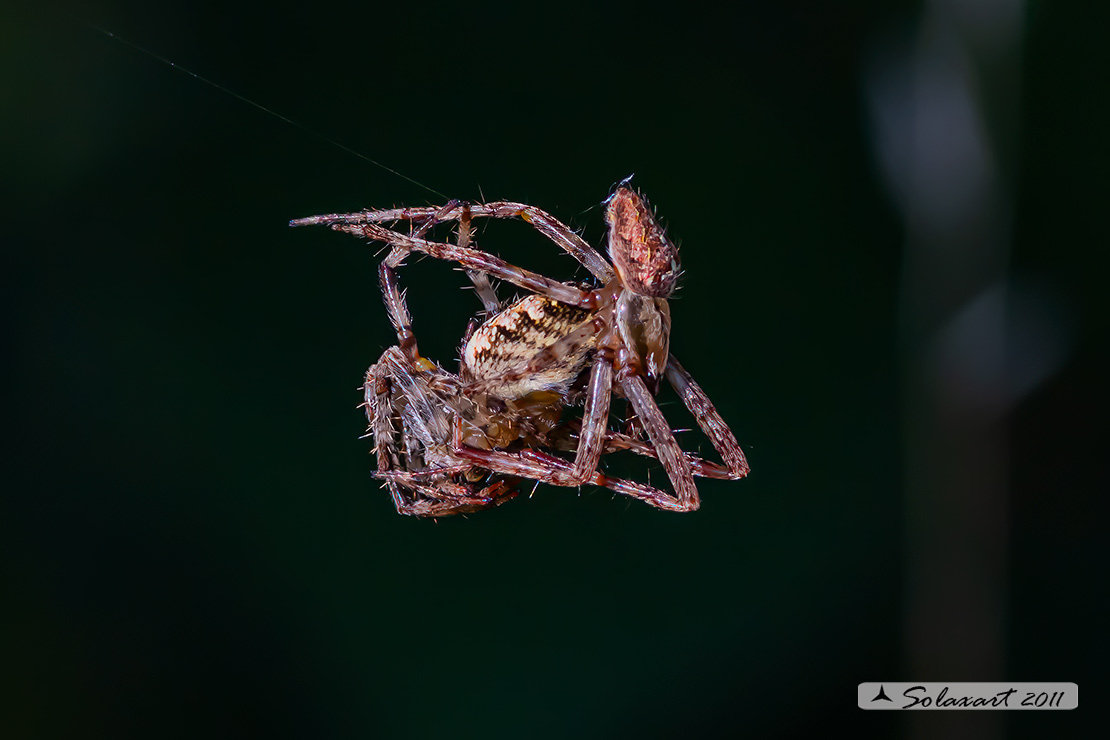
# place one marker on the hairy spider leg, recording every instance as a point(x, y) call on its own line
point(710, 421)
point(662, 439)
point(551, 227)
point(556, 471)
point(474, 259)
point(401, 378)
point(434, 488)
point(566, 438)
point(482, 286)
point(595, 415)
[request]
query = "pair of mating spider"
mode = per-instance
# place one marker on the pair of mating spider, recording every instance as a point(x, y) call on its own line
point(452, 443)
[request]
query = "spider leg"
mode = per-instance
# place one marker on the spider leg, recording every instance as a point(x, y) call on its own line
point(398, 311)
point(595, 416)
point(556, 231)
point(708, 419)
point(482, 285)
point(544, 222)
point(654, 496)
point(381, 402)
point(379, 410)
point(432, 504)
point(555, 471)
point(700, 468)
point(439, 385)
point(662, 439)
point(429, 481)
point(428, 473)
point(425, 412)
point(633, 426)
point(471, 326)
point(435, 388)
point(445, 497)
point(546, 468)
point(475, 259)
point(567, 439)
point(397, 254)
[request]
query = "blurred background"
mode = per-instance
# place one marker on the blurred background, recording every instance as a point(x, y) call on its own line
point(889, 220)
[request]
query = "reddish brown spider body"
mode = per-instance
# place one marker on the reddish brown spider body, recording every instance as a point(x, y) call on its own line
point(519, 366)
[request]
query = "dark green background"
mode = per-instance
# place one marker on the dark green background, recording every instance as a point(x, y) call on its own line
point(193, 544)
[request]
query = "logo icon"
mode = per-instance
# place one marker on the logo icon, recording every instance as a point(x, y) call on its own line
point(882, 695)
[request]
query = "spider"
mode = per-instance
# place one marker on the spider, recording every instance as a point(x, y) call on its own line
point(522, 363)
point(444, 431)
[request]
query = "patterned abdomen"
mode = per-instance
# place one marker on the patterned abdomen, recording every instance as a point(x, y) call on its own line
point(501, 348)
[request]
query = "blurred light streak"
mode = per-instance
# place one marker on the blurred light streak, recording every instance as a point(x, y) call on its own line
point(971, 340)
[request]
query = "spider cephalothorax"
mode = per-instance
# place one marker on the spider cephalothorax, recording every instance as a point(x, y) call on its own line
point(646, 260)
point(519, 366)
point(647, 270)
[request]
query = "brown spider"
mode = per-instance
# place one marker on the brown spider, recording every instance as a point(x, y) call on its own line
point(518, 367)
point(442, 427)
